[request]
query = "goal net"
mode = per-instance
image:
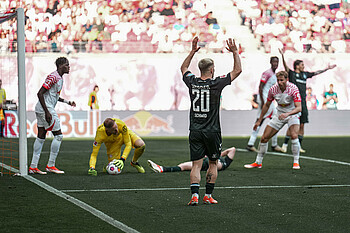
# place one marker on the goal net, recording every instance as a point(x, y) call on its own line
point(13, 137)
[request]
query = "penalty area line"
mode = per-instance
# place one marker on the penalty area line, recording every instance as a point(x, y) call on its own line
point(229, 187)
point(302, 157)
point(121, 226)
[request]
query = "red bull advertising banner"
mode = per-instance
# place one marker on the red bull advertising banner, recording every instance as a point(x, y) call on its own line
point(173, 123)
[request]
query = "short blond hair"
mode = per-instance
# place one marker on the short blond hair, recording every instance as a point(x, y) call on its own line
point(205, 65)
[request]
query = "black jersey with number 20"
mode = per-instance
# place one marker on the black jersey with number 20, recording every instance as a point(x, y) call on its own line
point(205, 101)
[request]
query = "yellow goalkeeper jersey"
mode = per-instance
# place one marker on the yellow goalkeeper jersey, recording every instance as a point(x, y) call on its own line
point(113, 142)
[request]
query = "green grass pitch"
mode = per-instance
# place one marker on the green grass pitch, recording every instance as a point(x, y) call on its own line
point(272, 199)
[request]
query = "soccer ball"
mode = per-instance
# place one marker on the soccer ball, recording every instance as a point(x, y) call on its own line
point(112, 169)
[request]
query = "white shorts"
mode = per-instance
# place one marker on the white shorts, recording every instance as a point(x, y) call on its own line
point(277, 124)
point(55, 124)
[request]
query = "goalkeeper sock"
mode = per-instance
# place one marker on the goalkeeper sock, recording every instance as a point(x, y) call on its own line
point(286, 140)
point(209, 187)
point(137, 153)
point(55, 148)
point(195, 188)
point(172, 169)
point(37, 147)
point(300, 137)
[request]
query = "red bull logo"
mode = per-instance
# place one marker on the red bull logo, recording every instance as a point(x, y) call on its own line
point(145, 123)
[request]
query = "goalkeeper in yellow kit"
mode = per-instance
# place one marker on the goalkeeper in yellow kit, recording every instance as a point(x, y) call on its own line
point(114, 133)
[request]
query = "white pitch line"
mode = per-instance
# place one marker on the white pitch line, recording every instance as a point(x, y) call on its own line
point(229, 187)
point(81, 204)
point(303, 157)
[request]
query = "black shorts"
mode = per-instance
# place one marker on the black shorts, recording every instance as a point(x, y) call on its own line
point(205, 144)
point(304, 118)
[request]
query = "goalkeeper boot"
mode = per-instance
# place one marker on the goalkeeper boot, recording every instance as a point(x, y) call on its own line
point(138, 167)
point(194, 200)
point(155, 167)
point(36, 171)
point(209, 200)
point(253, 165)
point(54, 169)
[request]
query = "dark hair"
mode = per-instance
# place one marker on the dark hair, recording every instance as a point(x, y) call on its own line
point(296, 63)
point(95, 87)
point(61, 60)
point(108, 123)
point(282, 73)
point(274, 57)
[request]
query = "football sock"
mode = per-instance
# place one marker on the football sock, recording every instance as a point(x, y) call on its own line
point(209, 187)
point(286, 140)
point(37, 147)
point(172, 169)
point(195, 188)
point(253, 137)
point(261, 153)
point(300, 137)
point(55, 148)
point(295, 150)
point(274, 141)
point(137, 153)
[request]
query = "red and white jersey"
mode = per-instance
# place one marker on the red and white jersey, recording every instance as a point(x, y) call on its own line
point(53, 83)
point(286, 99)
point(269, 79)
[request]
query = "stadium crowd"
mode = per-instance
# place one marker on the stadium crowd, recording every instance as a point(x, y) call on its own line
point(299, 25)
point(112, 26)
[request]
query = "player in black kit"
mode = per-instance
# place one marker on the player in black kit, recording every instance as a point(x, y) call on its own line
point(205, 131)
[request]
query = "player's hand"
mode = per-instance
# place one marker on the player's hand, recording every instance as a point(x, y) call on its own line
point(231, 45)
point(283, 116)
point(195, 46)
point(120, 163)
point(331, 66)
point(48, 117)
point(92, 172)
point(256, 125)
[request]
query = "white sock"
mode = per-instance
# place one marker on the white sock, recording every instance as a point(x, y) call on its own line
point(253, 137)
point(274, 141)
point(296, 150)
point(261, 153)
point(55, 148)
point(37, 147)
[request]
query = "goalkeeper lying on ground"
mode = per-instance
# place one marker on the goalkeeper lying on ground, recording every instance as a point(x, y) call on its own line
point(114, 133)
point(223, 162)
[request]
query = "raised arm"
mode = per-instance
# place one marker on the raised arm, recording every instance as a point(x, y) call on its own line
point(324, 70)
point(286, 68)
point(237, 67)
point(188, 59)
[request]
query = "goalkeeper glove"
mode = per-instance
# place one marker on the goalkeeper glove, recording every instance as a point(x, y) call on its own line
point(92, 172)
point(120, 163)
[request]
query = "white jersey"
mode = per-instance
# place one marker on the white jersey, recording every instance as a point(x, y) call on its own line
point(269, 79)
point(53, 84)
point(286, 99)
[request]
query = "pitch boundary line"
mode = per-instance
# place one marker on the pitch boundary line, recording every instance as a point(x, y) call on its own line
point(229, 187)
point(302, 157)
point(81, 204)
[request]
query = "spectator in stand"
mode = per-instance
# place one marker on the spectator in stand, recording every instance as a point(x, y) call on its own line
point(165, 46)
point(210, 19)
point(338, 45)
point(41, 43)
point(52, 7)
point(330, 99)
point(168, 10)
point(311, 100)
